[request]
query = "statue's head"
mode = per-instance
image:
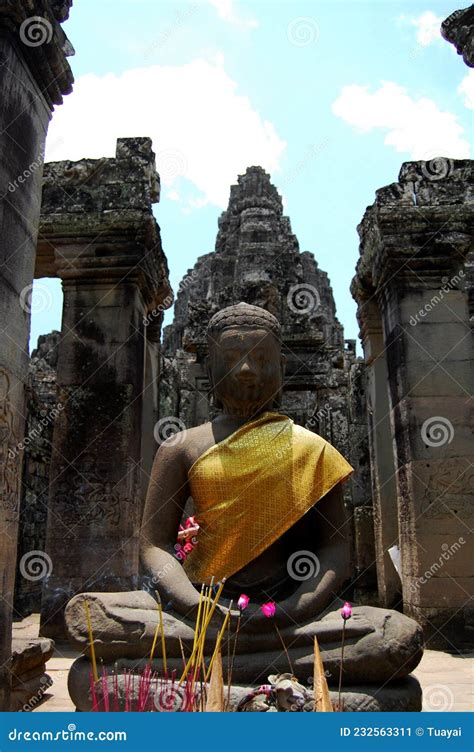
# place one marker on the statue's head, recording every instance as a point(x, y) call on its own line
point(245, 364)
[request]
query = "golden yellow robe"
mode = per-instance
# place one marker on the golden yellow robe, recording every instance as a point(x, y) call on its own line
point(252, 487)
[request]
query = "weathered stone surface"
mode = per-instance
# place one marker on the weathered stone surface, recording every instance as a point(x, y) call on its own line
point(458, 28)
point(125, 623)
point(26, 695)
point(98, 234)
point(42, 408)
point(27, 668)
point(38, 77)
point(43, 43)
point(403, 695)
point(29, 653)
point(413, 288)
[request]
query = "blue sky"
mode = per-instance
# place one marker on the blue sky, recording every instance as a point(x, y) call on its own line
point(329, 97)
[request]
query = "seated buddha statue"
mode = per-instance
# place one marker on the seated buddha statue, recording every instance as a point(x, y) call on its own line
point(268, 498)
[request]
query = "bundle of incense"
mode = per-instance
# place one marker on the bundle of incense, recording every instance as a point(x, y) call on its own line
point(144, 688)
point(105, 691)
point(92, 685)
point(199, 661)
point(206, 619)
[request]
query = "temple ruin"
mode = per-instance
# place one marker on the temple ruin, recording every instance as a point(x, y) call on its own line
point(82, 418)
point(98, 234)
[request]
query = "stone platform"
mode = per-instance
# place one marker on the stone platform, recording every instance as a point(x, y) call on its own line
point(446, 679)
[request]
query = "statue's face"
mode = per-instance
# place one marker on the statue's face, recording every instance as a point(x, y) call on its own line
point(246, 367)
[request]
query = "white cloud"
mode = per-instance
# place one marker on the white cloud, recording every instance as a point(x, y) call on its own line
point(202, 129)
point(414, 126)
point(427, 28)
point(466, 89)
point(173, 195)
point(227, 12)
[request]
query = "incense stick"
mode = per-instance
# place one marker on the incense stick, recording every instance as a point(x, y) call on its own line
point(163, 641)
point(91, 641)
point(218, 641)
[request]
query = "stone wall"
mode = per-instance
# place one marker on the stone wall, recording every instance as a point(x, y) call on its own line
point(35, 76)
point(42, 407)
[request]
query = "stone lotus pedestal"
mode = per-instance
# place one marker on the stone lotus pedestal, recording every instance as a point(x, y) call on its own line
point(378, 663)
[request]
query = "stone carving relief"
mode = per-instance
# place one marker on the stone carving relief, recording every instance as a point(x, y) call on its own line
point(9, 458)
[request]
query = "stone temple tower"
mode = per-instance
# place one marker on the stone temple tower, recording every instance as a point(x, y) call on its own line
point(257, 260)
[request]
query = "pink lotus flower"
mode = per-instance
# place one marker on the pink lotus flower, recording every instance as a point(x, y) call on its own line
point(346, 611)
point(268, 609)
point(243, 602)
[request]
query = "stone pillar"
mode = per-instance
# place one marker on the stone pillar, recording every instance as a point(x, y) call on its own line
point(382, 461)
point(34, 75)
point(415, 241)
point(97, 216)
point(365, 580)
